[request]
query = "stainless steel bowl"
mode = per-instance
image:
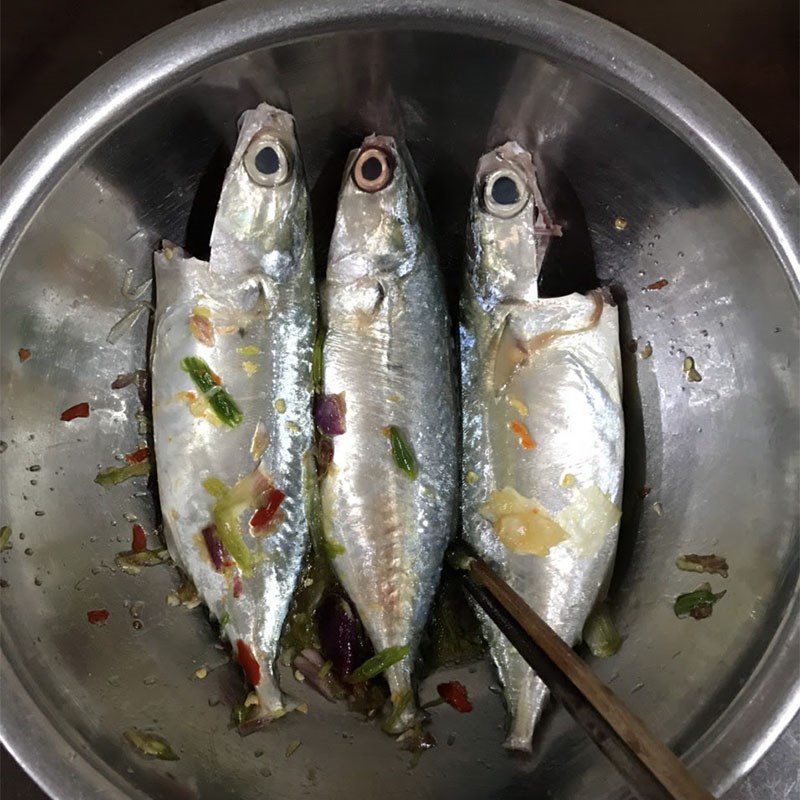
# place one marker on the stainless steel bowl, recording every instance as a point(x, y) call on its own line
point(137, 152)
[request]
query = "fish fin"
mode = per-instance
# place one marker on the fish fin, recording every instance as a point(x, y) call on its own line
point(263, 719)
point(273, 701)
point(509, 354)
point(362, 297)
point(372, 300)
point(404, 721)
point(379, 298)
point(398, 676)
point(530, 701)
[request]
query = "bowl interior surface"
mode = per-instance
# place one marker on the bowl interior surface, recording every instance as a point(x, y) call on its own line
point(719, 456)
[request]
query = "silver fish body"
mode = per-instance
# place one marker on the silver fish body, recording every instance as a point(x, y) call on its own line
point(388, 354)
point(257, 297)
point(543, 432)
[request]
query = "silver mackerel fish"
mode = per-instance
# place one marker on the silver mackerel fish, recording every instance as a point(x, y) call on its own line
point(390, 494)
point(542, 423)
point(232, 396)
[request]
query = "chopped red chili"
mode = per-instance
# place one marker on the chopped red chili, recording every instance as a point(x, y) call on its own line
point(526, 441)
point(24, 354)
point(263, 515)
point(137, 456)
point(73, 412)
point(237, 585)
point(97, 617)
point(247, 661)
point(455, 694)
point(138, 539)
point(660, 284)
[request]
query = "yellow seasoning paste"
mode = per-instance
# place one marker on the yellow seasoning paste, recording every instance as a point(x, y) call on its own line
point(522, 524)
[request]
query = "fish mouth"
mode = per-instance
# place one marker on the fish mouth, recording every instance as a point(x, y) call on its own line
point(375, 164)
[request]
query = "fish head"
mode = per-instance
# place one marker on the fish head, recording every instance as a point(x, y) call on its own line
point(263, 215)
point(377, 220)
point(508, 228)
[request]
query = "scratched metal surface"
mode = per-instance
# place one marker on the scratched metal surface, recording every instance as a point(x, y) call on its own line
point(720, 484)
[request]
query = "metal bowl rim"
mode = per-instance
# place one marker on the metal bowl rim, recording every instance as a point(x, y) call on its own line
point(651, 79)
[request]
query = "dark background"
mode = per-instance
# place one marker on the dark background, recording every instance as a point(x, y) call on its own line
point(748, 51)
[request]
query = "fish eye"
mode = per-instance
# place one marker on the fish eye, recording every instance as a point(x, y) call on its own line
point(505, 194)
point(266, 161)
point(373, 170)
point(505, 191)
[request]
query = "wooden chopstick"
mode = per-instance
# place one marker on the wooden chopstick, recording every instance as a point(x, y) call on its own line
point(651, 769)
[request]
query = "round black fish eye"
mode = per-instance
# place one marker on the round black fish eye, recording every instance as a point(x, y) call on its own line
point(505, 193)
point(266, 161)
point(371, 168)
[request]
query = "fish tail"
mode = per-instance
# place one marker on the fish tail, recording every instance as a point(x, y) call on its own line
point(405, 713)
point(525, 714)
point(273, 702)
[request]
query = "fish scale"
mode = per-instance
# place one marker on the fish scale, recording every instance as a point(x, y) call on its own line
point(258, 292)
point(543, 432)
point(388, 352)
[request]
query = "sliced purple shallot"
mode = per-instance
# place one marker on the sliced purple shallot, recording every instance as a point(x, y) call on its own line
point(329, 414)
point(317, 674)
point(216, 550)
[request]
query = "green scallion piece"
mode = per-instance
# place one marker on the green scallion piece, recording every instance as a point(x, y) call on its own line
point(131, 563)
point(239, 714)
point(292, 747)
point(226, 518)
point(221, 403)
point(697, 604)
point(402, 453)
point(5, 535)
point(390, 723)
point(215, 487)
point(114, 475)
point(150, 744)
point(600, 633)
point(333, 549)
point(377, 664)
point(317, 363)
point(224, 620)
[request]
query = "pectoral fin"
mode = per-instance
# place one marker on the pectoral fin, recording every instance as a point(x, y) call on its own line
point(509, 354)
